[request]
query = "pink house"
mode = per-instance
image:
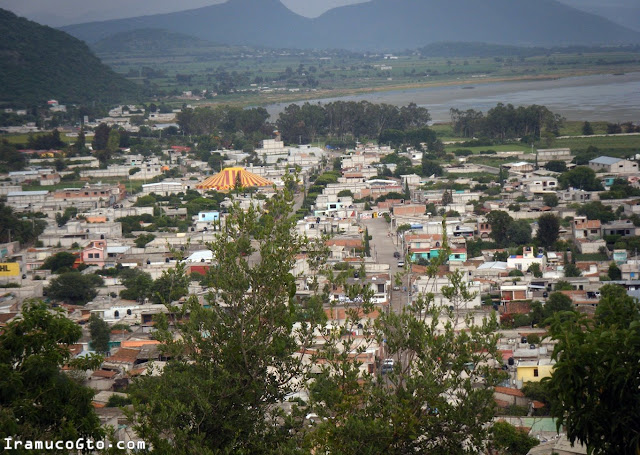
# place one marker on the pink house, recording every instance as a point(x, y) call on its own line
point(95, 253)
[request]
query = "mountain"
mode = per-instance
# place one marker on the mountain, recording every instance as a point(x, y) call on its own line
point(237, 22)
point(40, 63)
point(150, 41)
point(380, 24)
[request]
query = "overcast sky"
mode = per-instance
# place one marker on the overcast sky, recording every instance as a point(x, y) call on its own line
point(64, 12)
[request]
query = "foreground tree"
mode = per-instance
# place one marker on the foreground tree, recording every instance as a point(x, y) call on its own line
point(37, 400)
point(235, 360)
point(594, 388)
point(500, 222)
point(434, 393)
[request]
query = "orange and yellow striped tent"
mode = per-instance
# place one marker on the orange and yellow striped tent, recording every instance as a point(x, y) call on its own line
point(227, 178)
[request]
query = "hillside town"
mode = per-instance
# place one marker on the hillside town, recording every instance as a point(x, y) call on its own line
point(532, 236)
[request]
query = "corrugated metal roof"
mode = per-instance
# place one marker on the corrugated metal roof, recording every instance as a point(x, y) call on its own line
point(606, 160)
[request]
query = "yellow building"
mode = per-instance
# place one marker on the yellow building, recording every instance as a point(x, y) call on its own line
point(534, 370)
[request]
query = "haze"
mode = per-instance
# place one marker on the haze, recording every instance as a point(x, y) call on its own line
point(64, 12)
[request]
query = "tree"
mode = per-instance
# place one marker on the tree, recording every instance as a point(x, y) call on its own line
point(430, 167)
point(367, 247)
point(37, 400)
point(562, 285)
point(572, 271)
point(170, 286)
point(519, 233)
point(236, 359)
point(100, 334)
point(550, 200)
point(59, 261)
point(81, 141)
point(138, 285)
point(548, 230)
point(143, 239)
point(500, 222)
point(535, 270)
point(587, 129)
point(557, 302)
point(101, 137)
point(595, 382)
point(556, 166)
point(509, 440)
point(596, 210)
point(113, 141)
point(580, 177)
point(430, 399)
point(614, 272)
point(74, 288)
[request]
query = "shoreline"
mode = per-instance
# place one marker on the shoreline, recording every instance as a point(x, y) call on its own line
point(272, 100)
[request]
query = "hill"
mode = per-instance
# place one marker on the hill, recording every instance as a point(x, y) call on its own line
point(380, 24)
point(40, 63)
point(148, 41)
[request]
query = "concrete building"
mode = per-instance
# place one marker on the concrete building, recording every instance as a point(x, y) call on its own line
point(608, 164)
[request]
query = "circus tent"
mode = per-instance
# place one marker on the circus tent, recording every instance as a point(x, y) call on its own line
point(228, 178)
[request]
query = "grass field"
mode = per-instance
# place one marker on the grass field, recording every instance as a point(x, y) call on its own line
point(614, 144)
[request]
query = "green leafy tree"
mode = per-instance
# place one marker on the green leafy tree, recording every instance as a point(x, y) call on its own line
point(519, 233)
point(548, 230)
point(500, 222)
point(556, 166)
point(37, 400)
point(59, 261)
point(596, 210)
point(100, 333)
point(550, 200)
point(435, 398)
point(509, 440)
point(16, 228)
point(587, 129)
point(101, 137)
point(562, 285)
point(143, 239)
point(595, 382)
point(571, 270)
point(74, 287)
point(535, 270)
point(235, 360)
point(580, 177)
point(614, 272)
point(138, 285)
point(557, 302)
point(113, 141)
point(171, 286)
point(367, 246)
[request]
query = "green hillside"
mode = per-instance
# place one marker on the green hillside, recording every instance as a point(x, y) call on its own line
point(40, 63)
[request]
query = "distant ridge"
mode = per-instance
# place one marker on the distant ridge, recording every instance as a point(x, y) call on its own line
point(380, 24)
point(40, 63)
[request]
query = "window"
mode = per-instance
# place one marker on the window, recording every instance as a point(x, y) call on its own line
point(535, 372)
point(380, 287)
point(97, 256)
point(90, 255)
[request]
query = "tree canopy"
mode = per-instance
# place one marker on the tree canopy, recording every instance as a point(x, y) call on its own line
point(37, 400)
point(595, 382)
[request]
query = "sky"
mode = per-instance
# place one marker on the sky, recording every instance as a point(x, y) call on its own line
point(63, 12)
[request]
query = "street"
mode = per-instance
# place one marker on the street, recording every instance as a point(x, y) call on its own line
point(382, 248)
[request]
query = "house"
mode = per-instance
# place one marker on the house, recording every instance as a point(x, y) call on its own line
point(582, 228)
point(523, 262)
point(534, 370)
point(608, 164)
point(630, 270)
point(540, 185)
point(483, 230)
point(623, 228)
point(95, 253)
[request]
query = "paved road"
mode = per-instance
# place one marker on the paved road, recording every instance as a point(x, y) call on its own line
point(382, 248)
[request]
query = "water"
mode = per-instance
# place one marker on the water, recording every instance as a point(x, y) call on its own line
point(607, 97)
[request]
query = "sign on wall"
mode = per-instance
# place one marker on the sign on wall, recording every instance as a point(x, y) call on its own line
point(9, 269)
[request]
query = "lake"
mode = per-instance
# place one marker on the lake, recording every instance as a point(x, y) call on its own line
point(606, 97)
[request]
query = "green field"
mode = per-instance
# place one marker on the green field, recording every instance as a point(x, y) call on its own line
point(613, 144)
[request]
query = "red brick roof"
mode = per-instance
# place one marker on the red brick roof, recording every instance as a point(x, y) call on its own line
point(509, 391)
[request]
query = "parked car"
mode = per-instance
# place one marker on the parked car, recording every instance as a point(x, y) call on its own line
point(400, 263)
point(396, 255)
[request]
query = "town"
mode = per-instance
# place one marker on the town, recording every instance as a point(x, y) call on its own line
point(133, 236)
